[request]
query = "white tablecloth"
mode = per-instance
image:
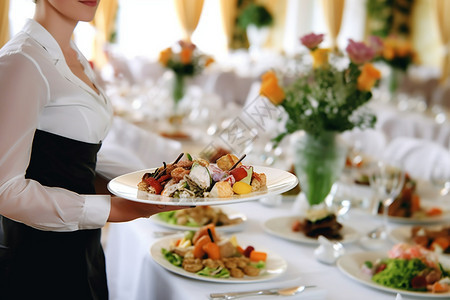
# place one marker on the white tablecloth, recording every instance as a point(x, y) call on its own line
point(132, 273)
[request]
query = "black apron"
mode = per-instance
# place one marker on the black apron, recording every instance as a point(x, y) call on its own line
point(56, 265)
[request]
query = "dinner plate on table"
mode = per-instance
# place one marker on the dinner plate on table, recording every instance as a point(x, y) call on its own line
point(421, 218)
point(229, 211)
point(282, 227)
point(402, 234)
point(275, 265)
point(350, 265)
point(125, 186)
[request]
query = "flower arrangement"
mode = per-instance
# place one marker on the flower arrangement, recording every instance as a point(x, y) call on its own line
point(322, 102)
point(326, 98)
point(395, 51)
point(398, 53)
point(185, 61)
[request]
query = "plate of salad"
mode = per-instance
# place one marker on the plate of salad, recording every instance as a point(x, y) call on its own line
point(194, 181)
point(433, 237)
point(224, 218)
point(406, 269)
point(205, 255)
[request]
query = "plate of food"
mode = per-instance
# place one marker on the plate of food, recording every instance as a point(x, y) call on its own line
point(190, 181)
point(406, 269)
point(224, 218)
point(412, 206)
point(288, 227)
point(432, 237)
point(207, 256)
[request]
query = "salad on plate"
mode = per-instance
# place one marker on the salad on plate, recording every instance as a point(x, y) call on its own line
point(200, 216)
point(409, 267)
point(189, 178)
point(205, 253)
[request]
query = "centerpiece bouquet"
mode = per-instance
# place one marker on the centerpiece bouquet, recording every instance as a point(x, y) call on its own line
point(322, 102)
point(185, 60)
point(398, 53)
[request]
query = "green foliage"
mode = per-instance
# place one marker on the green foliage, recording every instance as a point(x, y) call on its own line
point(255, 14)
point(382, 14)
point(326, 99)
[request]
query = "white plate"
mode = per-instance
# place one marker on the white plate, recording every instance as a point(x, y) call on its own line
point(275, 265)
point(418, 220)
point(231, 213)
point(125, 186)
point(402, 234)
point(350, 265)
point(282, 227)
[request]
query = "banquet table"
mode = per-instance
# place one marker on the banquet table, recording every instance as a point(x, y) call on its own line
point(133, 274)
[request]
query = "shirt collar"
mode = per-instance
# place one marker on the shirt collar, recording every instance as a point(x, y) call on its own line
point(44, 38)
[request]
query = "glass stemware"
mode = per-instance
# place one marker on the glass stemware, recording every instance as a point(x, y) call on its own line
point(387, 181)
point(440, 178)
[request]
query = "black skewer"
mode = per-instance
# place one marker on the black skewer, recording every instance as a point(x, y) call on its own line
point(178, 158)
point(160, 173)
point(210, 235)
point(240, 159)
point(234, 166)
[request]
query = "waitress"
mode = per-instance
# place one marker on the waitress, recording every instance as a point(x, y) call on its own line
point(53, 118)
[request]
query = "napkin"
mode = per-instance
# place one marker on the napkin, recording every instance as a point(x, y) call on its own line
point(419, 157)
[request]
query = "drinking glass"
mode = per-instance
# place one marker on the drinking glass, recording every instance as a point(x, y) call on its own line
point(440, 178)
point(387, 180)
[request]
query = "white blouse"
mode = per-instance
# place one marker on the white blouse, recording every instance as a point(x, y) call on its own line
point(38, 90)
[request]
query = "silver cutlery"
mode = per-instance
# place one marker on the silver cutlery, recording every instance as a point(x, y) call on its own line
point(290, 291)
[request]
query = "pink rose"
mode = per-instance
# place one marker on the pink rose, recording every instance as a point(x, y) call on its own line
point(186, 44)
point(311, 41)
point(358, 52)
point(376, 43)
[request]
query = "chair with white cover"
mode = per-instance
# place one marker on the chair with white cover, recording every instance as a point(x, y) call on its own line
point(128, 148)
point(369, 142)
point(419, 157)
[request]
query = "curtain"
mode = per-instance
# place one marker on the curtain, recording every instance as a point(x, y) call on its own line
point(333, 10)
point(442, 9)
point(4, 22)
point(278, 10)
point(104, 22)
point(228, 10)
point(188, 12)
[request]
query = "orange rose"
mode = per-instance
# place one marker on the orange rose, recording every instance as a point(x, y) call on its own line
point(186, 55)
point(165, 56)
point(369, 75)
point(271, 89)
point(404, 49)
point(388, 52)
point(320, 57)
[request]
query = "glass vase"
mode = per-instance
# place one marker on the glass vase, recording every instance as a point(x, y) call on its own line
point(175, 114)
point(319, 162)
point(178, 90)
point(396, 78)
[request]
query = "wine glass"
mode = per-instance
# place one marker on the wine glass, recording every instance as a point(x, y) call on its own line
point(387, 181)
point(440, 178)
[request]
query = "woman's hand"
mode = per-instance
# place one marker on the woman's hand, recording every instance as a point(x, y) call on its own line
point(123, 210)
